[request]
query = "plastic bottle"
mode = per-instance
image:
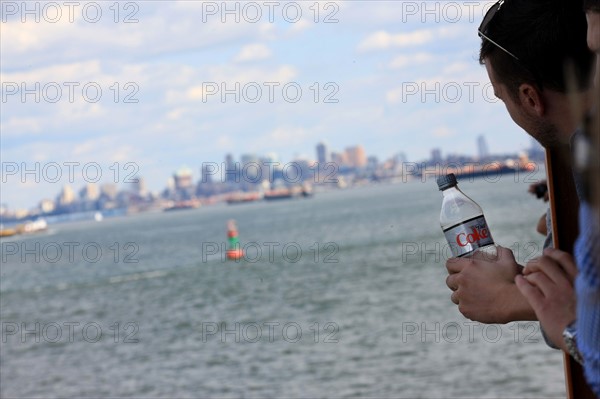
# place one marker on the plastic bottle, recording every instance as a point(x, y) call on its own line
point(462, 221)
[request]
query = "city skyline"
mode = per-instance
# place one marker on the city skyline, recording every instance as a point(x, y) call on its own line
point(353, 158)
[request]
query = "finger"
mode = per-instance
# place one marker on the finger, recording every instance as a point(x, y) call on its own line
point(505, 253)
point(550, 267)
point(451, 282)
point(529, 291)
point(546, 286)
point(456, 265)
point(454, 297)
point(565, 261)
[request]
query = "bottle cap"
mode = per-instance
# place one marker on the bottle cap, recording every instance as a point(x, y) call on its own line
point(447, 181)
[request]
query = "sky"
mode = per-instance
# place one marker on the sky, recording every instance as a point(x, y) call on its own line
point(98, 91)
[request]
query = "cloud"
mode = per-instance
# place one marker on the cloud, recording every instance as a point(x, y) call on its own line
point(161, 28)
point(383, 40)
point(442, 132)
point(175, 114)
point(17, 126)
point(216, 78)
point(253, 52)
point(402, 61)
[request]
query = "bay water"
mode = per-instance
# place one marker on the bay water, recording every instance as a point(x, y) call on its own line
point(340, 295)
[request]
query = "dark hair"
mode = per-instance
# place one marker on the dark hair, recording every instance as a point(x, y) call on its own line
point(591, 5)
point(545, 35)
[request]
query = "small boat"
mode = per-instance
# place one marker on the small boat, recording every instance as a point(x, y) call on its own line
point(35, 226)
point(7, 232)
point(286, 193)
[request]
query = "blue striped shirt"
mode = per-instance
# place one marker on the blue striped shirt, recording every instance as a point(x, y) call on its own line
point(587, 286)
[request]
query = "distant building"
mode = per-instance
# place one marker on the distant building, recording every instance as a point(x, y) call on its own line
point(482, 148)
point(251, 172)
point(372, 162)
point(89, 193)
point(109, 191)
point(271, 167)
point(400, 158)
point(322, 154)
point(436, 155)
point(138, 187)
point(46, 206)
point(184, 187)
point(183, 179)
point(231, 172)
point(66, 196)
point(356, 156)
point(536, 151)
point(340, 159)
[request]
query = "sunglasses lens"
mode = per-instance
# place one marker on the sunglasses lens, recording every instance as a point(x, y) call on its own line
point(489, 16)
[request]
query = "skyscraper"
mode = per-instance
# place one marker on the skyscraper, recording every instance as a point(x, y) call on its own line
point(138, 186)
point(436, 155)
point(340, 159)
point(356, 156)
point(482, 147)
point(206, 174)
point(89, 192)
point(322, 154)
point(67, 196)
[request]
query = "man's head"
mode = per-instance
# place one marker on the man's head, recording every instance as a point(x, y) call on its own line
point(527, 48)
point(592, 9)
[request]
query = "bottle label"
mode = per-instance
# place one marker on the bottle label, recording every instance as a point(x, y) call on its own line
point(466, 237)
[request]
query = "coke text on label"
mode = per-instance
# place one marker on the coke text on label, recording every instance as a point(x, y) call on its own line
point(468, 236)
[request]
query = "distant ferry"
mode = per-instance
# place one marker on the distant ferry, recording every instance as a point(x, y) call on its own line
point(281, 193)
point(30, 227)
point(241, 198)
point(492, 169)
point(182, 205)
point(7, 232)
point(33, 227)
point(287, 193)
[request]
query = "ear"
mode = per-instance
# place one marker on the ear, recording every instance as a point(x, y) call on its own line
point(532, 100)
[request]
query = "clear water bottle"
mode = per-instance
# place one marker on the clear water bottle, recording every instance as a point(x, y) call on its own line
point(462, 221)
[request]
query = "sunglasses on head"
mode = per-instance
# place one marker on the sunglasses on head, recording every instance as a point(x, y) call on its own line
point(483, 28)
point(483, 33)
